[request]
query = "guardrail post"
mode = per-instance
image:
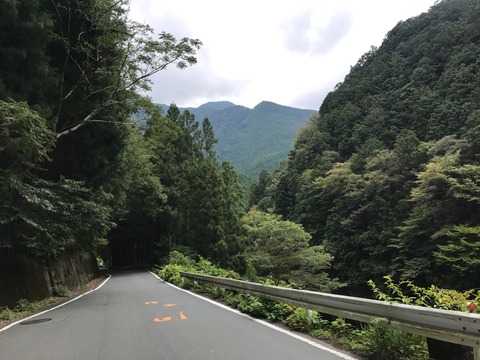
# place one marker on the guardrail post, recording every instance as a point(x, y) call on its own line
point(309, 316)
point(476, 353)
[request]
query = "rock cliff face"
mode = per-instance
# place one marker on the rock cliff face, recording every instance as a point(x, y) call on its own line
point(27, 278)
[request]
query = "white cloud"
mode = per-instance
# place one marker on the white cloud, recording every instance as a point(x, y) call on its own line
point(303, 34)
point(291, 53)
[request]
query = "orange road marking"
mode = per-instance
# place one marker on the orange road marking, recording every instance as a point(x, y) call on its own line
point(151, 302)
point(168, 318)
point(170, 305)
point(182, 316)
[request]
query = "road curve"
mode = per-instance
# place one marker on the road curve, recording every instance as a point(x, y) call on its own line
point(136, 316)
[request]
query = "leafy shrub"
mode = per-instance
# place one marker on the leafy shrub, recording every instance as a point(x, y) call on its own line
point(276, 311)
point(303, 320)
point(232, 299)
point(177, 258)
point(180, 262)
point(7, 314)
point(23, 305)
point(381, 343)
point(171, 273)
point(250, 304)
point(206, 267)
point(322, 333)
point(60, 290)
point(218, 292)
point(340, 327)
point(407, 292)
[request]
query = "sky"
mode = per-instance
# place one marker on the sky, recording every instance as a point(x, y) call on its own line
point(292, 53)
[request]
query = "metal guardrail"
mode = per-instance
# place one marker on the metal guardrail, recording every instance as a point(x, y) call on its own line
point(445, 325)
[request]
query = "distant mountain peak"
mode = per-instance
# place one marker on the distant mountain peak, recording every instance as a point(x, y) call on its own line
point(255, 139)
point(266, 102)
point(216, 105)
point(271, 104)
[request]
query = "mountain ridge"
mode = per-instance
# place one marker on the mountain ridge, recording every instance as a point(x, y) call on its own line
point(252, 139)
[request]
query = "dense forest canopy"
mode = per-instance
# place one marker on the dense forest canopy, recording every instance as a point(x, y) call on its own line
point(386, 177)
point(70, 77)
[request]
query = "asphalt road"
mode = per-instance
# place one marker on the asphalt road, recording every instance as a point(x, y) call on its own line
point(136, 316)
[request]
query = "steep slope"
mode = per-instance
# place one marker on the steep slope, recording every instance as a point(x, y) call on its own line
point(262, 139)
point(423, 78)
point(387, 177)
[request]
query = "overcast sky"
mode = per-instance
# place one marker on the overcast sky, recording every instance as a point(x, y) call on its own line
point(288, 52)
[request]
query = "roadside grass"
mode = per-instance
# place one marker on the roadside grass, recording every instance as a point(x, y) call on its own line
point(24, 308)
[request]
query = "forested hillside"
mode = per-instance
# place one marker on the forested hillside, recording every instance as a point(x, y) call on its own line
point(387, 175)
point(255, 139)
point(260, 138)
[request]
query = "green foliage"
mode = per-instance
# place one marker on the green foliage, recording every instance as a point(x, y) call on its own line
point(7, 314)
point(442, 227)
point(250, 272)
point(208, 138)
point(25, 71)
point(171, 273)
point(379, 342)
point(252, 140)
point(104, 57)
point(179, 262)
point(251, 305)
point(60, 290)
point(203, 206)
point(407, 292)
point(461, 252)
point(275, 311)
point(176, 257)
point(25, 138)
point(261, 195)
point(281, 249)
point(41, 217)
point(23, 305)
point(376, 340)
point(341, 327)
point(81, 66)
point(24, 308)
point(255, 139)
point(303, 320)
point(206, 267)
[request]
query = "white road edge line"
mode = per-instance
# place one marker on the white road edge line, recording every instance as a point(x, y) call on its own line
point(56, 307)
point(298, 337)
